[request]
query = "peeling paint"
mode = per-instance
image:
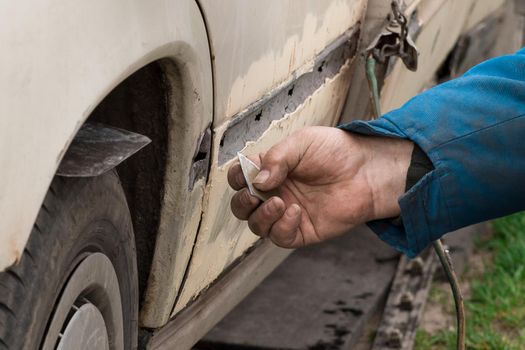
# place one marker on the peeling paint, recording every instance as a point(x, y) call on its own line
point(258, 44)
point(253, 121)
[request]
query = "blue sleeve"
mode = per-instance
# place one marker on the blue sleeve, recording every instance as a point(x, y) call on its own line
point(473, 130)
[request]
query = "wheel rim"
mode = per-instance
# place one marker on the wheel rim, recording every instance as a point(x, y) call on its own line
point(88, 314)
point(85, 330)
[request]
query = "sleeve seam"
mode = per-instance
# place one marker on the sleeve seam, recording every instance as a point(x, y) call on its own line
point(443, 144)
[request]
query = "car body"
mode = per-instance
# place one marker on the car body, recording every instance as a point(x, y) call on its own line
point(213, 78)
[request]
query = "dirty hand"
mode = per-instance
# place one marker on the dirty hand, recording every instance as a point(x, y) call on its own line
point(328, 180)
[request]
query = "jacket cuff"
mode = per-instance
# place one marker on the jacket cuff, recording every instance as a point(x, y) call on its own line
point(414, 233)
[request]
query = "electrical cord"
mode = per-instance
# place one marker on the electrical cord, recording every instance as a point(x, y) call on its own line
point(442, 253)
point(448, 267)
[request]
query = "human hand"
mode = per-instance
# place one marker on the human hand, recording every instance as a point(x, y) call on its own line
point(328, 180)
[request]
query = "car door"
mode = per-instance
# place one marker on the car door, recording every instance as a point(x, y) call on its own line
point(278, 66)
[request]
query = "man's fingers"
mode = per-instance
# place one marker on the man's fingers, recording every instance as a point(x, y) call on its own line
point(243, 204)
point(281, 159)
point(262, 219)
point(285, 232)
point(235, 177)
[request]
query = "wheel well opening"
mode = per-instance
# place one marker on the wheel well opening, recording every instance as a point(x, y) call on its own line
point(141, 104)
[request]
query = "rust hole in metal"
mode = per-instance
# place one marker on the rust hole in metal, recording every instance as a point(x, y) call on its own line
point(320, 68)
point(201, 156)
point(288, 98)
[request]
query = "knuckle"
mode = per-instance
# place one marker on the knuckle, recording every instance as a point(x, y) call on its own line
point(273, 182)
point(246, 197)
point(269, 208)
point(273, 158)
point(242, 204)
point(272, 209)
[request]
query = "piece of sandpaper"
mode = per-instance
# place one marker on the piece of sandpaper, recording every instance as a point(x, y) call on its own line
point(250, 171)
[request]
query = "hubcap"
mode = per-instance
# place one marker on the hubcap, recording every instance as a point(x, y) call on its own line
point(88, 314)
point(86, 330)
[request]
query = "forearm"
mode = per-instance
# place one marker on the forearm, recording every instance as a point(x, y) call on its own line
point(472, 129)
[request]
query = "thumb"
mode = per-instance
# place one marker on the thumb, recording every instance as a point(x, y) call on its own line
point(278, 162)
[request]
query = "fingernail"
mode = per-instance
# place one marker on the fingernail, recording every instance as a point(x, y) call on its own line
point(272, 204)
point(293, 210)
point(261, 177)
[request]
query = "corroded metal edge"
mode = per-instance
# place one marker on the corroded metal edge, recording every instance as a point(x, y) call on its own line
point(251, 123)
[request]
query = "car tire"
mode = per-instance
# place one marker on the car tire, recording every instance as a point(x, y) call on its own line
point(77, 273)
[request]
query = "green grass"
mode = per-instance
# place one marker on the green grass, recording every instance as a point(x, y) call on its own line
point(496, 307)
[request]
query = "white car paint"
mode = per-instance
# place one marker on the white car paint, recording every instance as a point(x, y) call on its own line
point(64, 57)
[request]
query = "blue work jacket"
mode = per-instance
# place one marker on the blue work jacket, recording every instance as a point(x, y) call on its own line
point(473, 130)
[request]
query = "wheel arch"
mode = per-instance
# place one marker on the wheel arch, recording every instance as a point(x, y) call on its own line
point(153, 101)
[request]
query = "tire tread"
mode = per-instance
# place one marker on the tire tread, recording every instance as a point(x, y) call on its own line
point(17, 281)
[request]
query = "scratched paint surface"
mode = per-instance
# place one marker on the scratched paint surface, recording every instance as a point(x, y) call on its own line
point(223, 238)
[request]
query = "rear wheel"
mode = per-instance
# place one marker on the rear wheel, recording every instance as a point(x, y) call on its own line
point(75, 285)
